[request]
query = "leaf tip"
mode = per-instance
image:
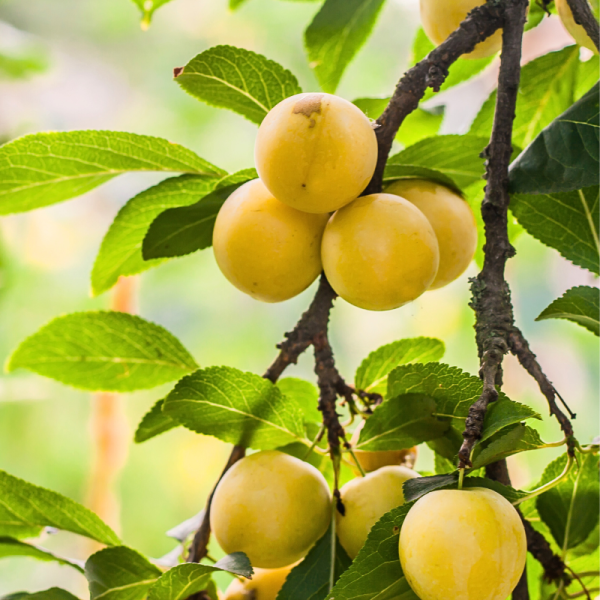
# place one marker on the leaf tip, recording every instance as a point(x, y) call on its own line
point(177, 71)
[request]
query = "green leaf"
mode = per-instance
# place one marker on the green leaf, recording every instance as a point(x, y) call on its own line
point(23, 62)
point(420, 124)
point(180, 231)
point(587, 76)
point(454, 391)
point(462, 70)
point(336, 34)
point(455, 156)
point(395, 172)
point(235, 4)
point(104, 350)
point(570, 509)
point(53, 593)
point(147, 8)
point(420, 486)
point(121, 250)
point(546, 91)
point(10, 547)
point(508, 441)
point(567, 222)
point(443, 466)
point(580, 304)
point(154, 422)
point(564, 156)
point(236, 407)
point(120, 573)
point(25, 504)
point(310, 579)
point(535, 15)
point(44, 168)
point(376, 573)
point(182, 581)
point(237, 79)
point(373, 372)
point(305, 395)
point(402, 422)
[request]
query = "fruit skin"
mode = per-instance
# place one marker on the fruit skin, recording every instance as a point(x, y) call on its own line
point(577, 32)
point(366, 500)
point(265, 248)
point(379, 252)
point(441, 17)
point(464, 545)
point(264, 585)
point(316, 152)
point(272, 506)
point(452, 220)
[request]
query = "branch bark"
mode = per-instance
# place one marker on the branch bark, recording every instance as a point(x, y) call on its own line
point(583, 15)
point(432, 71)
point(490, 292)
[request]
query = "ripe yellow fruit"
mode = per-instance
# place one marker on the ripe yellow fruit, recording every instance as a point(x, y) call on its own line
point(452, 220)
point(577, 31)
point(366, 500)
point(316, 152)
point(464, 545)
point(441, 17)
point(379, 252)
point(264, 585)
point(265, 248)
point(272, 506)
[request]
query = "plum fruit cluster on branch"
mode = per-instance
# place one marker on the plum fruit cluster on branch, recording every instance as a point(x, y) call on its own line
point(318, 205)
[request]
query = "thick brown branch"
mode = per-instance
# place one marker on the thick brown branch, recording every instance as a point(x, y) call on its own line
point(583, 15)
point(520, 348)
point(490, 292)
point(432, 71)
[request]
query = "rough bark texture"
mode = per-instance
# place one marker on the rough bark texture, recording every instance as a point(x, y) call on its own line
point(490, 292)
point(583, 15)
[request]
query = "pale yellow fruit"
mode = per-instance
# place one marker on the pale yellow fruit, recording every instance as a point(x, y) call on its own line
point(264, 585)
point(372, 460)
point(578, 33)
point(452, 220)
point(265, 248)
point(379, 252)
point(316, 152)
point(272, 506)
point(464, 545)
point(441, 17)
point(366, 500)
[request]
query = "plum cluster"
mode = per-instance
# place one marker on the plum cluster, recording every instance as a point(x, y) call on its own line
point(460, 544)
point(315, 153)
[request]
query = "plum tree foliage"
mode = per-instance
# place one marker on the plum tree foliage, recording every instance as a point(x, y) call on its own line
point(327, 199)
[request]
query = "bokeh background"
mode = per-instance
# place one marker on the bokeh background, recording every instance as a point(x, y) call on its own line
point(92, 67)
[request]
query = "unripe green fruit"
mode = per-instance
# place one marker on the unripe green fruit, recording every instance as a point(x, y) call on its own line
point(265, 248)
point(315, 152)
point(379, 252)
point(272, 506)
point(441, 17)
point(452, 220)
point(264, 585)
point(464, 545)
point(578, 32)
point(366, 500)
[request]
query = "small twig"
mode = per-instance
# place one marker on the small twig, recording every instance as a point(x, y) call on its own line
point(583, 15)
point(548, 486)
point(586, 592)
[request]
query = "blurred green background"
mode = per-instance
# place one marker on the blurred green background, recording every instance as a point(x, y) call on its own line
point(92, 67)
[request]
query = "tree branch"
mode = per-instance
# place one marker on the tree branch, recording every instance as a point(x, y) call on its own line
point(432, 71)
point(583, 15)
point(490, 292)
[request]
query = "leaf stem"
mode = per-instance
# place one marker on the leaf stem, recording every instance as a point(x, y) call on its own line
point(358, 465)
point(549, 485)
point(591, 449)
point(317, 439)
point(461, 478)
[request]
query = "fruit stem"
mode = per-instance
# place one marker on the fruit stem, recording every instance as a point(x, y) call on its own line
point(556, 444)
point(358, 465)
point(549, 485)
point(461, 478)
point(333, 543)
